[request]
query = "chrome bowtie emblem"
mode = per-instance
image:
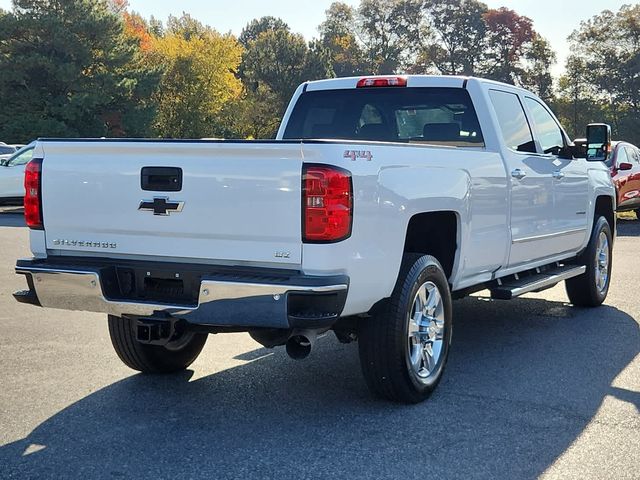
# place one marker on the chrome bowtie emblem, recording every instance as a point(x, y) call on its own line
point(161, 206)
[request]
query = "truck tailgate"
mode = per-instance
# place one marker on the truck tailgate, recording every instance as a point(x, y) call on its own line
point(239, 201)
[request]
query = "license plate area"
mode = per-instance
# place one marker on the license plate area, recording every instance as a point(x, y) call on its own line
point(160, 285)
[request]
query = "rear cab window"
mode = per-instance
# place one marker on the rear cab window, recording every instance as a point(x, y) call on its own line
point(21, 159)
point(440, 116)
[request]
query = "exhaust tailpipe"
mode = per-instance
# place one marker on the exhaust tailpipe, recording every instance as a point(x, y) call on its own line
point(300, 343)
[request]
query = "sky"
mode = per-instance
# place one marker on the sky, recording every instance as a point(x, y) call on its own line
point(553, 19)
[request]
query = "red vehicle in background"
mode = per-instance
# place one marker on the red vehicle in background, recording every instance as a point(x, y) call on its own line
point(624, 164)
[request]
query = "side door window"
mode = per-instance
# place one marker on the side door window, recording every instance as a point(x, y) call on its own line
point(514, 126)
point(546, 128)
point(621, 156)
point(530, 182)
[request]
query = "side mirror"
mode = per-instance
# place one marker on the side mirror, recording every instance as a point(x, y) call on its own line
point(580, 148)
point(598, 142)
point(625, 166)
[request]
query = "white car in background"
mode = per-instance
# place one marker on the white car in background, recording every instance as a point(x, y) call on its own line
point(6, 151)
point(12, 176)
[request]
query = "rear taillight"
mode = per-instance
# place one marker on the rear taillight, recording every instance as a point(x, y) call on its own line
point(33, 193)
point(368, 82)
point(327, 204)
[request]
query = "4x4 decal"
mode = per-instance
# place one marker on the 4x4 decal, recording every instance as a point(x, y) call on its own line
point(355, 154)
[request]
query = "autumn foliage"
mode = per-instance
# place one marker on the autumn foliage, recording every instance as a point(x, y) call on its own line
point(96, 68)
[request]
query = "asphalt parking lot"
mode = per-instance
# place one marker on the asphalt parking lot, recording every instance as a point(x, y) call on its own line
point(534, 387)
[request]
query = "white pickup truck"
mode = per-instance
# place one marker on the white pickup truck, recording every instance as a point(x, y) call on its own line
point(381, 199)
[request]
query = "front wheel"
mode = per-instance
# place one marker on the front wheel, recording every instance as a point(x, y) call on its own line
point(176, 355)
point(404, 347)
point(591, 288)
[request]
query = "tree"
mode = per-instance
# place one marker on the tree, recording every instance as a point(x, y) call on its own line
point(137, 115)
point(198, 78)
point(252, 31)
point(391, 32)
point(65, 71)
point(609, 43)
point(338, 38)
point(274, 63)
point(253, 115)
point(538, 59)
point(577, 103)
point(457, 41)
point(186, 27)
point(508, 35)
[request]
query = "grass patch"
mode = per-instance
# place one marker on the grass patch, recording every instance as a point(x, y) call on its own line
point(627, 216)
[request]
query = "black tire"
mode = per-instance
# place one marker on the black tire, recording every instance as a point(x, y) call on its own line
point(176, 356)
point(584, 291)
point(384, 343)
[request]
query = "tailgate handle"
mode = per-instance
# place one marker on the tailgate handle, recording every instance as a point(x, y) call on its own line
point(161, 179)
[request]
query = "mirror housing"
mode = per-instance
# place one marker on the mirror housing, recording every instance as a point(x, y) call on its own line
point(579, 148)
point(625, 166)
point(598, 142)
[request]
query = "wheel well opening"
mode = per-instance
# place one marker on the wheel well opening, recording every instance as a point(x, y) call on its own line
point(604, 207)
point(434, 233)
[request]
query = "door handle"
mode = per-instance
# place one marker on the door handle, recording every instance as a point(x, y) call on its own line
point(518, 173)
point(558, 175)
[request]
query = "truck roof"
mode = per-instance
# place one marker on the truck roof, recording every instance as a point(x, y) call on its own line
point(451, 81)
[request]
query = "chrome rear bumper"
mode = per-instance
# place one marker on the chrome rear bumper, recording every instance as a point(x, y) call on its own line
point(245, 301)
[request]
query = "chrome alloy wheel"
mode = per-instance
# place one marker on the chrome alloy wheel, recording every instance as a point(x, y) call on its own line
point(602, 262)
point(426, 331)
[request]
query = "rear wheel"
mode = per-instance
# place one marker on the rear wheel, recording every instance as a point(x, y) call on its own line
point(404, 348)
point(591, 288)
point(176, 355)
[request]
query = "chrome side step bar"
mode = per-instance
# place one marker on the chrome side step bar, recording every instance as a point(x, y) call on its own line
point(507, 290)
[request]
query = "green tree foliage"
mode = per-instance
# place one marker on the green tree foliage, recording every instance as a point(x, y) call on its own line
point(66, 70)
point(609, 46)
point(92, 68)
point(281, 60)
point(338, 37)
point(452, 37)
point(538, 59)
point(390, 31)
point(457, 37)
point(274, 63)
point(576, 103)
point(252, 31)
point(256, 114)
point(198, 78)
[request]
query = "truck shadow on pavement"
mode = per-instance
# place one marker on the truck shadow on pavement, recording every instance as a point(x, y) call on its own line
point(524, 380)
point(11, 217)
point(628, 228)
